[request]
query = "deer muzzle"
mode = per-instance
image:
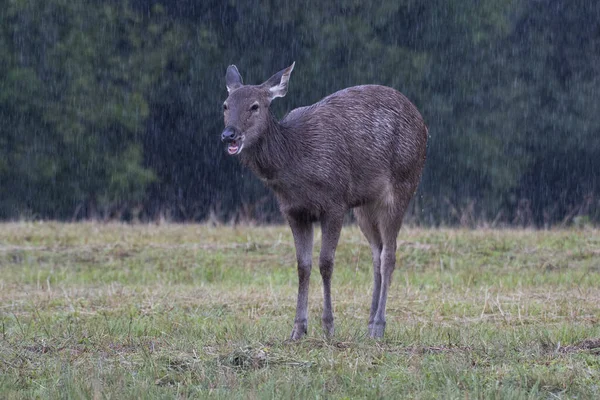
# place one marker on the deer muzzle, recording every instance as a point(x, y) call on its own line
point(233, 140)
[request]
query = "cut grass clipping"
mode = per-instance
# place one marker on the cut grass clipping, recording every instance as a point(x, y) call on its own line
point(194, 311)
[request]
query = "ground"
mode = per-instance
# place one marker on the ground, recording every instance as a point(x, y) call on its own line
point(192, 311)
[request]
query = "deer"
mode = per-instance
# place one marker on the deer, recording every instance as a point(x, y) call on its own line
point(362, 148)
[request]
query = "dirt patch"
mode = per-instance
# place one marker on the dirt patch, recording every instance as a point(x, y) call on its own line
point(246, 358)
point(585, 345)
point(260, 357)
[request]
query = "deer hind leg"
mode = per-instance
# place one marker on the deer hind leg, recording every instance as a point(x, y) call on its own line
point(367, 222)
point(389, 221)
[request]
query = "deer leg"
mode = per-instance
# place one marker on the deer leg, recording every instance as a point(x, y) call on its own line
point(303, 240)
point(388, 262)
point(376, 251)
point(389, 226)
point(365, 219)
point(331, 226)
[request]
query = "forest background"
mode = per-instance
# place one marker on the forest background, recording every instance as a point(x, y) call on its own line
point(112, 109)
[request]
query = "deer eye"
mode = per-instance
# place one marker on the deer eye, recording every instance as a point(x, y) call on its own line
point(254, 107)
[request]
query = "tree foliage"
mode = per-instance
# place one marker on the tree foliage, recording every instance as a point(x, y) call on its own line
point(112, 109)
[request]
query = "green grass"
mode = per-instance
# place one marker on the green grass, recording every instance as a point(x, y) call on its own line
point(192, 311)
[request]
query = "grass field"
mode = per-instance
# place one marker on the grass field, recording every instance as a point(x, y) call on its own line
point(192, 311)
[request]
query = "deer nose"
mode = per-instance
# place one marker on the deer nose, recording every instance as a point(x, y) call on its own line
point(228, 134)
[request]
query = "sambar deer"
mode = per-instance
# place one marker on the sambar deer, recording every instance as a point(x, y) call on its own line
point(360, 148)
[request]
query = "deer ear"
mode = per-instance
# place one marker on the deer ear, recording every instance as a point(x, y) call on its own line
point(277, 84)
point(233, 79)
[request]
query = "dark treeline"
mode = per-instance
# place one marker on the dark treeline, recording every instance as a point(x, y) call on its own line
point(112, 109)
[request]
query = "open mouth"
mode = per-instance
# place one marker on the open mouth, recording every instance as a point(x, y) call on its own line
point(235, 146)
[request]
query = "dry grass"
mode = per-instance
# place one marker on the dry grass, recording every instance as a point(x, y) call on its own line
point(130, 311)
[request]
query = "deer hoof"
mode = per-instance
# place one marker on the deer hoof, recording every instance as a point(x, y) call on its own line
point(376, 330)
point(299, 331)
point(328, 328)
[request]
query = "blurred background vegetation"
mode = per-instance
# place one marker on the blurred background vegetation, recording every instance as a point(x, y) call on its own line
point(112, 109)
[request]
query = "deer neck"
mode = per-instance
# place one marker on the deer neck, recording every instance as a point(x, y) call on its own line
point(274, 151)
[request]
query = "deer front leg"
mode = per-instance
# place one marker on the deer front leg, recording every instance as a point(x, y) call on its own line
point(303, 240)
point(331, 226)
